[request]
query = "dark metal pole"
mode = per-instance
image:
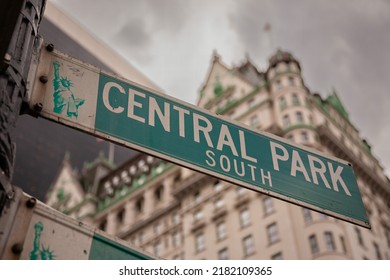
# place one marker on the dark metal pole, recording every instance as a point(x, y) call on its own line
point(19, 22)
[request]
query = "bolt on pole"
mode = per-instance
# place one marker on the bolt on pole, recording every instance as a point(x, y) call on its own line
point(19, 23)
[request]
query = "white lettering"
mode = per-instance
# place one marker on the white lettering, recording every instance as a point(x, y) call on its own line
point(227, 167)
point(317, 170)
point(181, 119)
point(297, 165)
point(268, 177)
point(275, 156)
point(336, 176)
point(243, 147)
point(155, 109)
point(242, 173)
point(132, 103)
point(205, 129)
point(210, 155)
point(225, 138)
point(106, 98)
point(252, 167)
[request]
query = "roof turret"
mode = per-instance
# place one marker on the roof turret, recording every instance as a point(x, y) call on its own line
point(282, 56)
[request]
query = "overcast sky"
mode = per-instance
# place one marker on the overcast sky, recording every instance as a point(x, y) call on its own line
point(341, 44)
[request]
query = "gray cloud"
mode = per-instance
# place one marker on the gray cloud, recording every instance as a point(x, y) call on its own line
point(342, 44)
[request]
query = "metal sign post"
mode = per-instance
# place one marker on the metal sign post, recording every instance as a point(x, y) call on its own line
point(82, 96)
point(19, 22)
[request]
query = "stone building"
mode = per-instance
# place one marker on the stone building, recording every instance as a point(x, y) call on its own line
point(176, 213)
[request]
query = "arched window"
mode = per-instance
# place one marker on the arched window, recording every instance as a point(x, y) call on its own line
point(304, 136)
point(286, 120)
point(299, 117)
point(295, 100)
point(278, 84)
point(282, 103)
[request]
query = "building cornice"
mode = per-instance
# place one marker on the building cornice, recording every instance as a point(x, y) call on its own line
point(194, 181)
point(132, 228)
point(342, 151)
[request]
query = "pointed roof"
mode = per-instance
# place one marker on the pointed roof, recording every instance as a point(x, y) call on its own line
point(250, 72)
point(282, 56)
point(336, 103)
point(92, 171)
point(215, 63)
point(65, 185)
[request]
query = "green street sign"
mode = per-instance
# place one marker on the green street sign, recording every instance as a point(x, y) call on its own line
point(84, 97)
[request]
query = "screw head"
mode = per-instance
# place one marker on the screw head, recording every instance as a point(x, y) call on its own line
point(30, 203)
point(43, 79)
point(17, 248)
point(38, 107)
point(50, 47)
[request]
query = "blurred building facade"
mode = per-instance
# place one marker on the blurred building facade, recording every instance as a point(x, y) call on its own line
point(176, 213)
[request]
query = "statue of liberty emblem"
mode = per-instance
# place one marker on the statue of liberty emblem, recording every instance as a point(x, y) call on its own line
point(39, 253)
point(65, 102)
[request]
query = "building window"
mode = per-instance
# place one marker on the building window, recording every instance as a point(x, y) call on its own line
point(343, 246)
point(157, 228)
point(218, 203)
point(307, 215)
point(273, 233)
point(377, 251)
point(140, 238)
point(177, 178)
point(286, 120)
point(251, 103)
point(277, 256)
point(158, 193)
point(197, 197)
point(125, 176)
point(245, 218)
point(223, 254)
point(175, 218)
point(282, 103)
point(254, 121)
point(120, 216)
point(139, 205)
point(311, 119)
point(115, 181)
point(313, 244)
point(218, 186)
point(299, 117)
point(241, 191)
point(330, 245)
point(221, 231)
point(200, 244)
point(387, 234)
point(268, 205)
point(108, 188)
point(278, 84)
point(176, 239)
point(291, 81)
point(295, 100)
point(198, 215)
point(359, 236)
point(304, 136)
point(103, 225)
point(157, 248)
point(248, 245)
